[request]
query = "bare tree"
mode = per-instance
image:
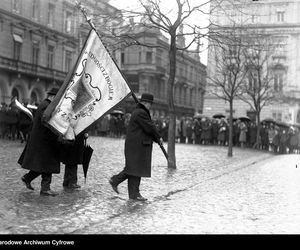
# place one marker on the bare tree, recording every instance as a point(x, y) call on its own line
point(228, 77)
point(178, 20)
point(259, 62)
point(173, 21)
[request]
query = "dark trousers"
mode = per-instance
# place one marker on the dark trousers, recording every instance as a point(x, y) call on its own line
point(46, 179)
point(70, 176)
point(133, 183)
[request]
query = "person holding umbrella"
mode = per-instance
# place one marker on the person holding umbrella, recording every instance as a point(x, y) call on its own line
point(72, 154)
point(141, 133)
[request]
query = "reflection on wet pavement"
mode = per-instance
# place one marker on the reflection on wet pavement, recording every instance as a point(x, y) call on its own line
point(207, 193)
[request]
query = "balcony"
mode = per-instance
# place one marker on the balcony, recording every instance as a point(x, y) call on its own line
point(31, 69)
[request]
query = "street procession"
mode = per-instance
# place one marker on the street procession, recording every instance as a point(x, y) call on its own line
point(148, 117)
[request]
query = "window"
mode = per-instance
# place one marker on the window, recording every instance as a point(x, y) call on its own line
point(68, 21)
point(35, 9)
point(184, 96)
point(255, 19)
point(50, 56)
point(51, 9)
point(18, 41)
point(253, 80)
point(159, 57)
point(233, 50)
point(280, 16)
point(277, 115)
point(35, 53)
point(16, 5)
point(148, 57)
point(15, 93)
point(68, 60)
point(278, 82)
point(122, 58)
point(33, 98)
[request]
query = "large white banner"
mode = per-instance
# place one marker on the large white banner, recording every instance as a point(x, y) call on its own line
point(95, 87)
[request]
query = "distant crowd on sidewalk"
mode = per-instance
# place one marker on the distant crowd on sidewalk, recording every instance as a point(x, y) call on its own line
point(273, 136)
point(277, 138)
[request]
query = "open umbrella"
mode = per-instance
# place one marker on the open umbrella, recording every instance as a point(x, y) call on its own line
point(297, 125)
point(219, 115)
point(282, 124)
point(244, 119)
point(268, 120)
point(233, 118)
point(200, 116)
point(87, 154)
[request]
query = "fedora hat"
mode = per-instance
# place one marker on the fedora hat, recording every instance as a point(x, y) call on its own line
point(147, 98)
point(53, 91)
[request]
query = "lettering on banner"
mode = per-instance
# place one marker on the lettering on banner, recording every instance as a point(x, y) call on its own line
point(105, 75)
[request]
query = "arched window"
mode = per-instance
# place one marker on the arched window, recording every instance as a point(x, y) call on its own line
point(33, 98)
point(15, 93)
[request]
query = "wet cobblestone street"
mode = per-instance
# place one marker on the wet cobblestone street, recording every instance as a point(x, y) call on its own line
point(253, 192)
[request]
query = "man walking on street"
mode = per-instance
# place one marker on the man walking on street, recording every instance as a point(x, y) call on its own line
point(71, 156)
point(41, 153)
point(141, 133)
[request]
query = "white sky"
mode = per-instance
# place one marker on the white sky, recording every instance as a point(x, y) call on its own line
point(168, 9)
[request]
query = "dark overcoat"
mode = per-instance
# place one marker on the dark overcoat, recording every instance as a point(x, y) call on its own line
point(72, 154)
point(141, 132)
point(41, 153)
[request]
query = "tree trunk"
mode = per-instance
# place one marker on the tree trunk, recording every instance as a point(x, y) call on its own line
point(230, 130)
point(258, 139)
point(171, 107)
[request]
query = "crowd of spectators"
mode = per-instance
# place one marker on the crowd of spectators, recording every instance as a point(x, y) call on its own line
point(14, 124)
point(276, 137)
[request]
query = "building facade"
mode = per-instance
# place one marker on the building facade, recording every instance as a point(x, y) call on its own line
point(39, 43)
point(146, 70)
point(281, 21)
point(37, 47)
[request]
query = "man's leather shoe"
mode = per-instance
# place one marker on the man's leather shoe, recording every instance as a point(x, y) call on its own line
point(139, 198)
point(114, 187)
point(48, 193)
point(28, 185)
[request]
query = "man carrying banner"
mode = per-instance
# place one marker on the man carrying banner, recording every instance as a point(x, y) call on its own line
point(41, 153)
point(141, 133)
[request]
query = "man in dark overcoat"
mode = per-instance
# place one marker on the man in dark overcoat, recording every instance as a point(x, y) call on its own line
point(41, 153)
point(141, 132)
point(72, 156)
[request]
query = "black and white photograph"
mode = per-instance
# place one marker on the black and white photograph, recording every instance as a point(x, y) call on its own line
point(148, 117)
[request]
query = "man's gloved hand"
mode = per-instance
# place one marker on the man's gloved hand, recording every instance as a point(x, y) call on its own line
point(161, 141)
point(63, 140)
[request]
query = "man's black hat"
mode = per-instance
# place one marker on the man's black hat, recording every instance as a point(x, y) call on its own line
point(147, 98)
point(53, 91)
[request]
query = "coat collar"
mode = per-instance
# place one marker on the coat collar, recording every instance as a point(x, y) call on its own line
point(140, 105)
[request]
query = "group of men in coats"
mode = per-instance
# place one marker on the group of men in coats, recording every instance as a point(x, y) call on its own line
point(44, 151)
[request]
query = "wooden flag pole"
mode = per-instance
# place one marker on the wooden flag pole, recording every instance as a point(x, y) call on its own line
point(89, 20)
